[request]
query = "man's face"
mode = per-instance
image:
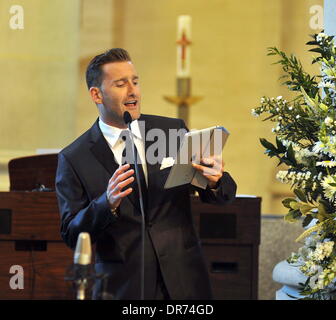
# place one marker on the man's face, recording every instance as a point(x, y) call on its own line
point(120, 92)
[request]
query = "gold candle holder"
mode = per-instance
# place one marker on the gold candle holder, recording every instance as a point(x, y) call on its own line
point(184, 99)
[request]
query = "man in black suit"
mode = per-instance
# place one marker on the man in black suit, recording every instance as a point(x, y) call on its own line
point(97, 194)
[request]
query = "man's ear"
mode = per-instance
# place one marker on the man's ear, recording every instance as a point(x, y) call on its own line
point(96, 95)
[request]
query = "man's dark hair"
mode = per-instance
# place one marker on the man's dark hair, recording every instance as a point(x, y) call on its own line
point(94, 72)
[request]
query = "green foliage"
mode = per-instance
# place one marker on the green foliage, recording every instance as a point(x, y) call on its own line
point(305, 142)
point(295, 76)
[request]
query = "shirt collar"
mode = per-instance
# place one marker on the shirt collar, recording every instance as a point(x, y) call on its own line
point(112, 134)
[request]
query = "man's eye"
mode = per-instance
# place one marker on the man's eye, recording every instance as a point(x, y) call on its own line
point(120, 84)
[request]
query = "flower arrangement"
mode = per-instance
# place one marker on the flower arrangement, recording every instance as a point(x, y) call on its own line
point(305, 142)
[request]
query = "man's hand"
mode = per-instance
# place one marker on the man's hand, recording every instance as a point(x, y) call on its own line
point(120, 179)
point(212, 168)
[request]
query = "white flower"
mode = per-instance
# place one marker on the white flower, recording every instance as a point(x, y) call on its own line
point(281, 176)
point(329, 190)
point(298, 116)
point(254, 113)
point(320, 147)
point(279, 97)
point(302, 155)
point(290, 108)
point(320, 36)
point(326, 84)
point(307, 175)
point(329, 163)
point(328, 121)
point(323, 250)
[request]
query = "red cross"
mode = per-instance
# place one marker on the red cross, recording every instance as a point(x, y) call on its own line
point(184, 42)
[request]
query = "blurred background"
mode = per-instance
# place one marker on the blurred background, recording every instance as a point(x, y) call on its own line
point(45, 103)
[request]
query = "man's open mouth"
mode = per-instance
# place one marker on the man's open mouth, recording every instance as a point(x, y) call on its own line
point(131, 103)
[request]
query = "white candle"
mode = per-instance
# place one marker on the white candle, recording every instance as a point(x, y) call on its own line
point(183, 46)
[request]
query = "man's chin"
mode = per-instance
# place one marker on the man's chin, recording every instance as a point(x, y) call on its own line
point(135, 114)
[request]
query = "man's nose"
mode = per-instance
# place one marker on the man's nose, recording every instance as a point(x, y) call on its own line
point(131, 89)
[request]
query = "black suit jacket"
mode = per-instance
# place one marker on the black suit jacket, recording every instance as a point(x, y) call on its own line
point(84, 169)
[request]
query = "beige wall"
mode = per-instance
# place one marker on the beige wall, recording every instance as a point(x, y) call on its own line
point(38, 77)
point(229, 68)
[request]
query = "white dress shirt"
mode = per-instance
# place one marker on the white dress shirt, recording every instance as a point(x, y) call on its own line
point(117, 144)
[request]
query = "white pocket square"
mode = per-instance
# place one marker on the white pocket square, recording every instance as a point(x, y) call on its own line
point(167, 162)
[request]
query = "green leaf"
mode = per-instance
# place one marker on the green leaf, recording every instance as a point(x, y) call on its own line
point(322, 212)
point(281, 147)
point(318, 50)
point(323, 107)
point(308, 100)
point(301, 195)
point(291, 155)
point(268, 145)
point(286, 202)
point(305, 208)
point(292, 215)
point(307, 220)
point(294, 205)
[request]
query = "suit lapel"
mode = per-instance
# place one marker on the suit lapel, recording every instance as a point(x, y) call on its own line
point(105, 156)
point(101, 150)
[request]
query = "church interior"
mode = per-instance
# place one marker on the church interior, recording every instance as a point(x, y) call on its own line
point(45, 103)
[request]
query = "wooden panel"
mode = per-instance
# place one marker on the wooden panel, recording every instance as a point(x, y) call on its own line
point(34, 215)
point(44, 272)
point(243, 214)
point(230, 269)
point(230, 237)
point(28, 173)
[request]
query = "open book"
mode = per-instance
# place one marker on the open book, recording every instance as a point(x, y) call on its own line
point(195, 145)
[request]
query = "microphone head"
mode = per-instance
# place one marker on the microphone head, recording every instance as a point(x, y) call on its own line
point(83, 249)
point(127, 117)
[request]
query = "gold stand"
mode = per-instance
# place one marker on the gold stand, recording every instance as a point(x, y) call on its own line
point(183, 100)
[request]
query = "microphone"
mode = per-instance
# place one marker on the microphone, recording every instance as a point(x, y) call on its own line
point(82, 261)
point(128, 119)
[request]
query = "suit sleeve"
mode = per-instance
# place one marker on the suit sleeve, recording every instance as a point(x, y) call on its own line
point(78, 214)
point(224, 193)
